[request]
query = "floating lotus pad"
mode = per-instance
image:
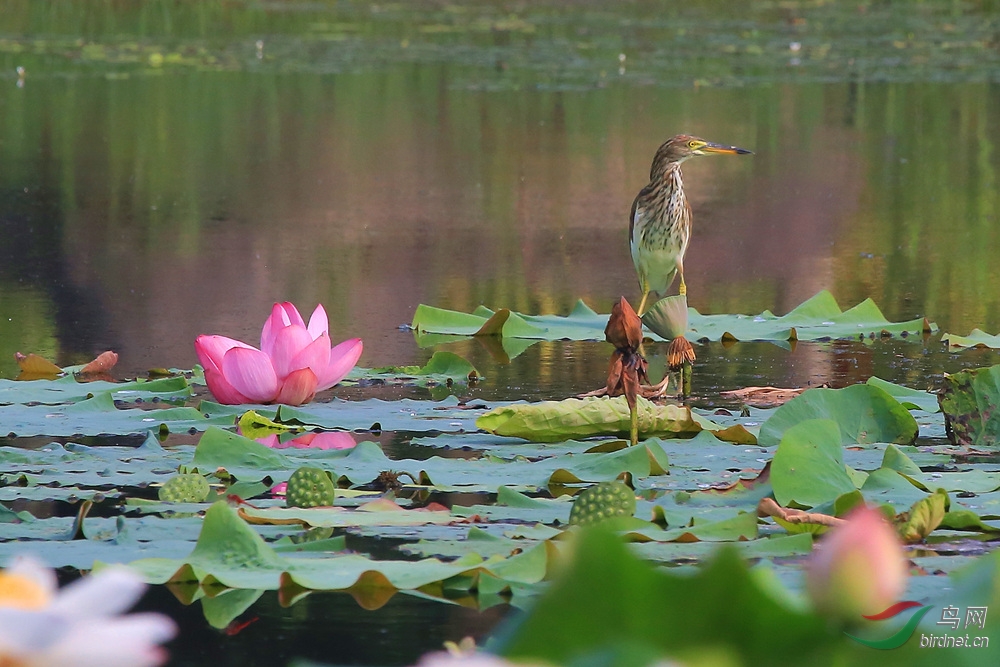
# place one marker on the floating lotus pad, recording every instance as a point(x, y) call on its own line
point(978, 338)
point(818, 318)
point(552, 421)
point(970, 401)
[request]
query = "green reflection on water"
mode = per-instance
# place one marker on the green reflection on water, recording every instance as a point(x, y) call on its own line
point(373, 159)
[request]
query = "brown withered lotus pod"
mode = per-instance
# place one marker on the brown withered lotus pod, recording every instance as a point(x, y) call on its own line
point(627, 369)
point(679, 352)
point(624, 329)
point(103, 363)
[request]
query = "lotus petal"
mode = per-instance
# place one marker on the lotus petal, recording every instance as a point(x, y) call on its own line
point(325, 440)
point(292, 315)
point(128, 641)
point(221, 389)
point(298, 388)
point(111, 593)
point(319, 323)
point(270, 440)
point(343, 357)
point(860, 568)
point(250, 373)
point(315, 356)
point(288, 343)
point(276, 321)
point(211, 350)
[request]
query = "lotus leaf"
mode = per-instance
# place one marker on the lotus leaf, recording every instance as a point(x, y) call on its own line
point(818, 318)
point(808, 467)
point(552, 421)
point(978, 338)
point(863, 414)
point(970, 401)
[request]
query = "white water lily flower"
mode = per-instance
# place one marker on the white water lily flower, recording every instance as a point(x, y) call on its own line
point(79, 626)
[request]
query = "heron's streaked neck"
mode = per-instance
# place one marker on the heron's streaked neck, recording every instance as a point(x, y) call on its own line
point(671, 170)
point(670, 181)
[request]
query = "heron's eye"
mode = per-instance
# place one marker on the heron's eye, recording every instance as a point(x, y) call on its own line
point(692, 144)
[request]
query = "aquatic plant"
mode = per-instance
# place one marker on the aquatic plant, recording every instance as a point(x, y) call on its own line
point(294, 361)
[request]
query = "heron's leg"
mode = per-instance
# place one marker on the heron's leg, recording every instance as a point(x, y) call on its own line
point(642, 304)
point(682, 289)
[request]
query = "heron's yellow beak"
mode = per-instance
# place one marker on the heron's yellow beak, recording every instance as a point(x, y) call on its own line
point(709, 147)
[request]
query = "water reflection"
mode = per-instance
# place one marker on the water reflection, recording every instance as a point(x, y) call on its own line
point(159, 208)
point(325, 627)
point(166, 171)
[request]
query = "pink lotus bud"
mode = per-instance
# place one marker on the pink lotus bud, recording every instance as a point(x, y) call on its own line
point(859, 568)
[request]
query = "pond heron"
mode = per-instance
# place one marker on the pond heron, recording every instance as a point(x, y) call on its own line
point(660, 224)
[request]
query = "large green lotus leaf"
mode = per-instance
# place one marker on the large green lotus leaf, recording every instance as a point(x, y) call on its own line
point(219, 448)
point(74, 465)
point(249, 460)
point(554, 510)
point(118, 540)
point(443, 367)
point(963, 519)
point(68, 390)
point(863, 413)
point(741, 527)
point(887, 486)
point(897, 460)
point(222, 609)
point(911, 399)
point(552, 421)
point(65, 493)
point(231, 553)
point(969, 481)
point(607, 598)
point(817, 318)
point(82, 554)
point(403, 415)
point(97, 416)
point(808, 467)
point(476, 541)
point(778, 546)
point(978, 338)
point(683, 507)
point(970, 401)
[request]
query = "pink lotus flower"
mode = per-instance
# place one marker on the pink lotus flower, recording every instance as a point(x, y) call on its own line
point(293, 363)
point(859, 568)
point(324, 440)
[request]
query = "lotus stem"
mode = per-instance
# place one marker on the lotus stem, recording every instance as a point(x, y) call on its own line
point(633, 410)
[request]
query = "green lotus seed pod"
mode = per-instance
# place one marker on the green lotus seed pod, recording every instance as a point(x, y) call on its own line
point(309, 487)
point(607, 500)
point(188, 488)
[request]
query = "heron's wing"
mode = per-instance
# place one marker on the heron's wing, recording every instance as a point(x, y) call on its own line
point(632, 219)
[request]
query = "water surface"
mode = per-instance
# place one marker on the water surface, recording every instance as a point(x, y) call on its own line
point(169, 170)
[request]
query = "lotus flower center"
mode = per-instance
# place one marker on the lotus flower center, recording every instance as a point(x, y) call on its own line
point(20, 592)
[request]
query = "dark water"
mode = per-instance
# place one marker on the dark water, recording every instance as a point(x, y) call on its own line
point(172, 169)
